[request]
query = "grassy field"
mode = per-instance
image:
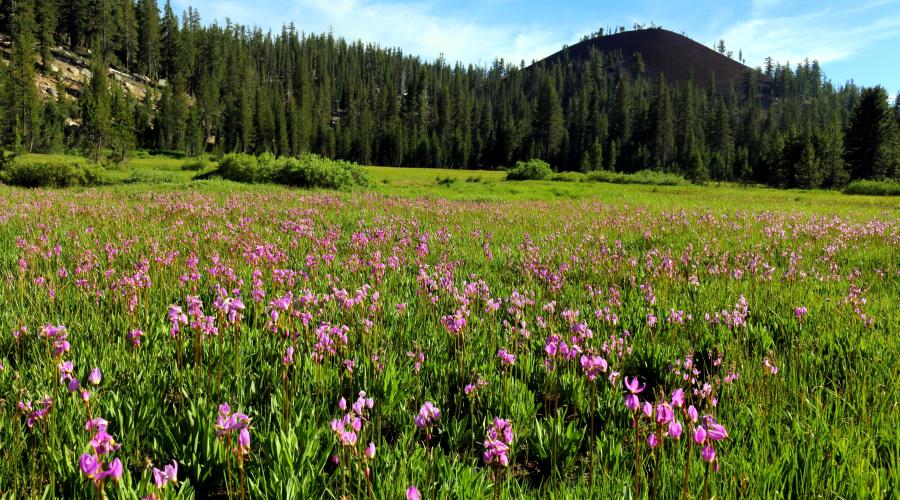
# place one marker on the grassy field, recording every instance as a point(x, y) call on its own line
point(634, 341)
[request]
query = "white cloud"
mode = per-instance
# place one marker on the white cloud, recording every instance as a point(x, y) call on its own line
point(418, 28)
point(825, 35)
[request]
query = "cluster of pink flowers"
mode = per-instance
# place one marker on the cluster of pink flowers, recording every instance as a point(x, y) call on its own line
point(94, 465)
point(59, 336)
point(35, 411)
point(348, 428)
point(329, 339)
point(227, 423)
point(427, 417)
point(593, 365)
point(506, 358)
point(498, 442)
point(471, 389)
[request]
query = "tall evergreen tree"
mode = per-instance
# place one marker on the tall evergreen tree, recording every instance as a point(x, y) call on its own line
point(96, 112)
point(22, 110)
point(148, 39)
point(871, 140)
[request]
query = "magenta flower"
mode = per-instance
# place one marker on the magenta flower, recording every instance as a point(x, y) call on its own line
point(708, 453)
point(134, 336)
point(470, 389)
point(288, 358)
point(633, 385)
point(497, 442)
point(700, 435)
point(243, 441)
point(95, 376)
point(692, 414)
point(428, 415)
point(593, 366)
point(89, 465)
point(664, 414)
point(652, 441)
point(412, 493)
point(370, 451)
point(770, 367)
point(168, 474)
point(227, 422)
point(678, 398)
point(675, 429)
point(505, 357)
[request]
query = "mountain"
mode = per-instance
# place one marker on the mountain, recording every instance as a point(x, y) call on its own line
point(676, 56)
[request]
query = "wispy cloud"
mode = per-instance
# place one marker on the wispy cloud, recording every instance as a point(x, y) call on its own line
point(422, 28)
point(821, 33)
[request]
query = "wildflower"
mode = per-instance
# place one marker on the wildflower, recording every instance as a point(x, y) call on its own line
point(95, 376)
point(675, 429)
point(412, 493)
point(227, 422)
point(428, 415)
point(770, 368)
point(134, 336)
point(176, 317)
point(505, 357)
point(288, 358)
point(470, 389)
point(634, 388)
point(168, 474)
point(419, 358)
point(678, 398)
point(243, 441)
point(593, 366)
point(497, 442)
point(370, 451)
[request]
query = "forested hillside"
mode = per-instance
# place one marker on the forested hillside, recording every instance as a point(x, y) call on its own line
point(217, 88)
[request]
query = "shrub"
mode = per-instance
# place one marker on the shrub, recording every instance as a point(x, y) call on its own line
point(568, 177)
point(649, 177)
point(195, 165)
point(533, 169)
point(873, 188)
point(50, 171)
point(308, 171)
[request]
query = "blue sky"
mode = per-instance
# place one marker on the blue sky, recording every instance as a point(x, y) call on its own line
point(852, 40)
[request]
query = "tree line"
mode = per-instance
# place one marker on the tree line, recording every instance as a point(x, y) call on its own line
point(229, 88)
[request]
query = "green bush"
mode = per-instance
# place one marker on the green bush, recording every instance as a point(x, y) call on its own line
point(196, 165)
point(50, 171)
point(534, 170)
point(308, 171)
point(873, 188)
point(568, 177)
point(649, 177)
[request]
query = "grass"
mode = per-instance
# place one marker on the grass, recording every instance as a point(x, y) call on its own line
point(362, 282)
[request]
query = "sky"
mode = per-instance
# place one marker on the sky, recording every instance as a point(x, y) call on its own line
point(852, 40)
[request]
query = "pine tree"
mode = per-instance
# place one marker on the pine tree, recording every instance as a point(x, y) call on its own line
point(121, 138)
point(807, 168)
point(45, 11)
point(548, 121)
point(171, 57)
point(871, 140)
point(663, 123)
point(127, 34)
point(21, 127)
point(148, 37)
point(96, 112)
